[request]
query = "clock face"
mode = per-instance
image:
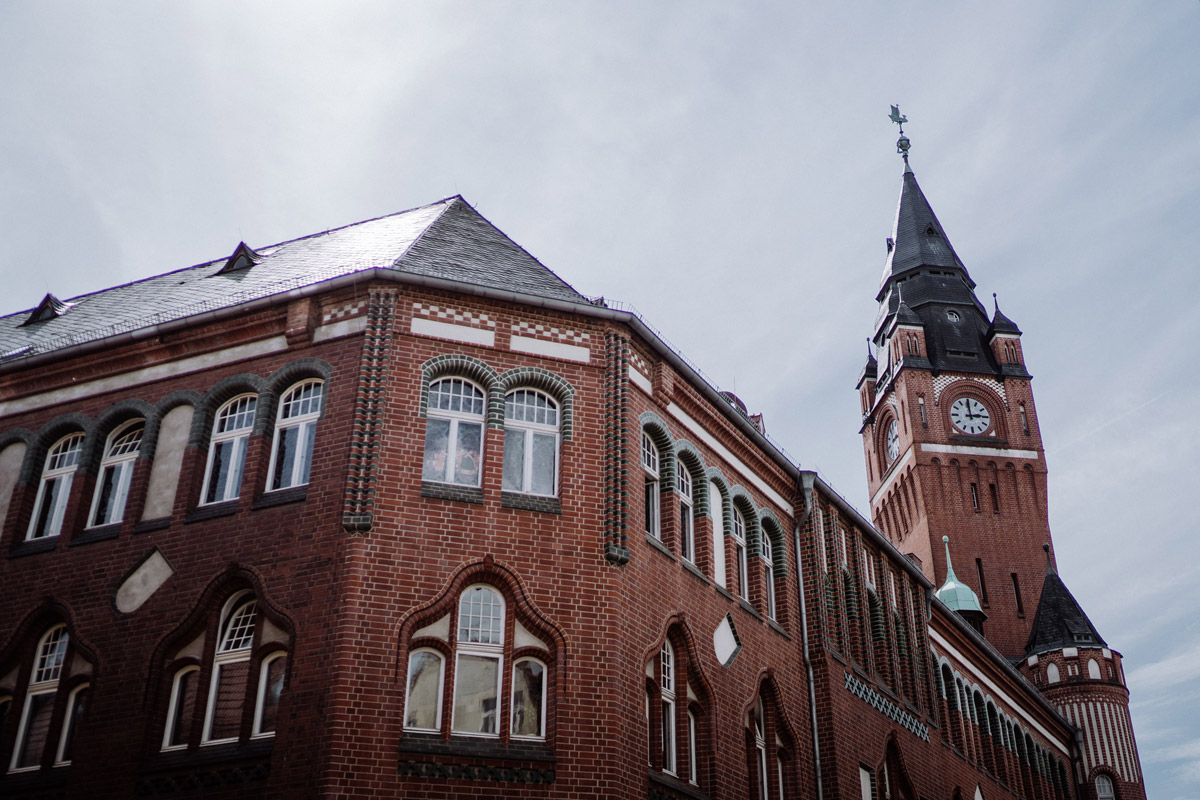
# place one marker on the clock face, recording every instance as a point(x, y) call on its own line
point(893, 442)
point(970, 416)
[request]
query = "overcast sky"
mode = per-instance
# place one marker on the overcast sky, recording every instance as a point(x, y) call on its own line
point(726, 168)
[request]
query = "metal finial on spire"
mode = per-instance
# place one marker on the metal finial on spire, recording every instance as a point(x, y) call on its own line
point(902, 144)
point(1046, 548)
point(950, 576)
point(995, 303)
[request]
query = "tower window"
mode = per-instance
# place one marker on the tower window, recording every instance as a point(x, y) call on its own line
point(975, 496)
point(983, 595)
point(995, 498)
point(1017, 593)
point(1024, 421)
point(925, 419)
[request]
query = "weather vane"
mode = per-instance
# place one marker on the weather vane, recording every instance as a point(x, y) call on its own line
point(902, 144)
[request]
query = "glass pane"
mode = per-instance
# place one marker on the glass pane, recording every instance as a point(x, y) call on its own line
point(239, 629)
point(481, 616)
point(272, 688)
point(218, 472)
point(107, 494)
point(37, 727)
point(230, 694)
point(545, 453)
point(285, 456)
point(424, 691)
point(185, 705)
point(514, 460)
point(475, 702)
point(306, 453)
point(72, 722)
point(51, 655)
point(234, 488)
point(467, 453)
point(528, 685)
point(52, 491)
point(437, 446)
point(668, 731)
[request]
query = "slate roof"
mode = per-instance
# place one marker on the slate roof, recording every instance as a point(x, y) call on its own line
point(1059, 621)
point(918, 238)
point(448, 239)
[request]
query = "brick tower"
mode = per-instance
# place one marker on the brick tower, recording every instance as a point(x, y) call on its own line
point(1077, 671)
point(949, 427)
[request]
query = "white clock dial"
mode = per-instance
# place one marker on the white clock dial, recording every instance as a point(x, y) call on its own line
point(970, 416)
point(893, 442)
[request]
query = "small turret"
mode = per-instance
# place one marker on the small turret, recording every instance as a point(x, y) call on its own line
point(959, 597)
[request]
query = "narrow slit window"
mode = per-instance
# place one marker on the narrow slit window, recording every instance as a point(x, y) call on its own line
point(983, 592)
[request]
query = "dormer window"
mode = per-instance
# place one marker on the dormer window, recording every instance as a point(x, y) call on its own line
point(243, 258)
point(50, 308)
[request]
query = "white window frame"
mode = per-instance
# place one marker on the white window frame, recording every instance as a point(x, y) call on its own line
point(455, 419)
point(650, 465)
point(120, 454)
point(716, 505)
point(261, 695)
point(693, 743)
point(512, 705)
point(237, 438)
point(768, 557)
point(687, 527)
point(528, 430)
point(227, 655)
point(175, 708)
point(739, 553)
point(68, 725)
point(48, 662)
point(842, 555)
point(666, 682)
point(296, 411)
point(1106, 791)
point(62, 459)
point(441, 683)
point(868, 566)
point(760, 747)
point(493, 650)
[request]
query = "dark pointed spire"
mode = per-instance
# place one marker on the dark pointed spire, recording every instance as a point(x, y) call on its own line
point(1059, 621)
point(1001, 323)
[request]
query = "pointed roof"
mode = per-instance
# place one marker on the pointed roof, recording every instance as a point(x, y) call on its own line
point(445, 241)
point(1001, 323)
point(918, 237)
point(955, 594)
point(1059, 621)
point(50, 308)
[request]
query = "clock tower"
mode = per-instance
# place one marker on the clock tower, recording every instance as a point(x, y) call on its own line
point(949, 426)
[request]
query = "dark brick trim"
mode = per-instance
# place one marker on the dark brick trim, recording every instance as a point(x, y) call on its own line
point(447, 491)
point(212, 512)
point(95, 534)
point(745, 606)
point(476, 747)
point(147, 525)
point(295, 494)
point(675, 787)
point(528, 502)
point(26, 548)
point(473, 772)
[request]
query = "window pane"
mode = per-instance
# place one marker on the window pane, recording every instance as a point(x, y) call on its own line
point(481, 616)
point(475, 701)
point(230, 695)
point(271, 689)
point(528, 686)
point(424, 691)
point(37, 727)
point(239, 629)
point(78, 706)
point(467, 452)
point(185, 706)
point(668, 731)
point(51, 655)
point(285, 456)
point(106, 495)
point(309, 438)
point(545, 453)
point(651, 503)
point(514, 460)
point(437, 447)
point(218, 471)
point(45, 523)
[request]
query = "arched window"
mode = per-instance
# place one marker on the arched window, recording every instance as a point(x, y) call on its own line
point(1093, 669)
point(666, 681)
point(768, 556)
point(38, 712)
point(1052, 673)
point(739, 554)
point(650, 468)
point(1104, 788)
point(531, 421)
point(716, 505)
point(760, 750)
point(295, 435)
point(55, 487)
point(454, 433)
point(675, 711)
point(116, 469)
point(769, 745)
point(687, 534)
point(478, 652)
point(227, 449)
point(234, 692)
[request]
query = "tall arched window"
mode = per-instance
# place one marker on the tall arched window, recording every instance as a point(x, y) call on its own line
point(675, 711)
point(716, 505)
point(531, 421)
point(1052, 673)
point(768, 557)
point(227, 449)
point(454, 433)
point(116, 470)
point(38, 710)
point(1104, 788)
point(55, 487)
point(739, 554)
point(231, 670)
point(478, 652)
point(769, 744)
point(650, 468)
point(1093, 669)
point(666, 682)
point(687, 534)
point(295, 435)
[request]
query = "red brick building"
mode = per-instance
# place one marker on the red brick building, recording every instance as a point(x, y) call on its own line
point(393, 511)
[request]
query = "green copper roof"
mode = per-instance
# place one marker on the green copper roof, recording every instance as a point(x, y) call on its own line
point(954, 593)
